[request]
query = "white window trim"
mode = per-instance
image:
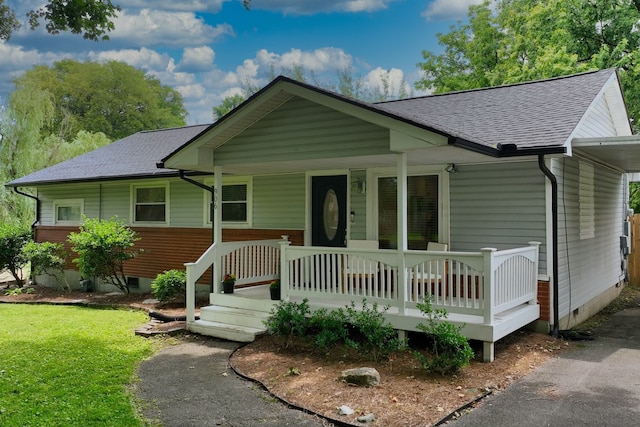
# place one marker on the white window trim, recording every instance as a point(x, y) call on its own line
point(443, 197)
point(248, 181)
point(65, 203)
point(167, 210)
point(586, 200)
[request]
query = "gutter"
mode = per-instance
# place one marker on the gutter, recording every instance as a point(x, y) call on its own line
point(554, 249)
point(37, 218)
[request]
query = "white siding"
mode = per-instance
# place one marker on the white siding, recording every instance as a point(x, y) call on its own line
point(325, 133)
point(498, 205)
point(590, 266)
point(279, 201)
point(597, 121)
point(89, 193)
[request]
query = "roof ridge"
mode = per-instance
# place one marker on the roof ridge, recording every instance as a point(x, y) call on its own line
point(174, 128)
point(480, 89)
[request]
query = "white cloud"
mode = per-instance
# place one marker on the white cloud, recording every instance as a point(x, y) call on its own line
point(149, 27)
point(197, 59)
point(182, 5)
point(143, 58)
point(448, 9)
point(309, 7)
point(377, 78)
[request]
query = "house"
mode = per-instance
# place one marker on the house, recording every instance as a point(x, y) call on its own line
point(523, 186)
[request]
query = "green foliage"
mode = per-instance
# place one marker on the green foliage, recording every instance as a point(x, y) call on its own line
point(364, 330)
point(103, 247)
point(111, 97)
point(69, 366)
point(12, 238)
point(371, 334)
point(450, 350)
point(47, 258)
point(169, 284)
point(228, 104)
point(634, 197)
point(329, 327)
point(92, 19)
point(19, 291)
point(511, 41)
point(289, 319)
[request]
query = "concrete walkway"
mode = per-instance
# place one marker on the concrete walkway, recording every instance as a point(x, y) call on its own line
point(595, 384)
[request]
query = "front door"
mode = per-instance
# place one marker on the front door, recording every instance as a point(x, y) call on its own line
point(328, 210)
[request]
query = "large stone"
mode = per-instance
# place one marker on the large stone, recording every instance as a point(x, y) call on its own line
point(367, 377)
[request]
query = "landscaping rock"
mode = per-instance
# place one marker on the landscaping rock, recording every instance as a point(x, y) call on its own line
point(366, 418)
point(345, 410)
point(367, 377)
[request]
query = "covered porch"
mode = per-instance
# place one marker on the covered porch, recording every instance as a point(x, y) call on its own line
point(490, 293)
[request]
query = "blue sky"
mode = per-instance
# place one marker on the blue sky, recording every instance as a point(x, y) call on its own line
point(207, 49)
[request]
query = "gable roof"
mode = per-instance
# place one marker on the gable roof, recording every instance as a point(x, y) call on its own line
point(538, 114)
point(520, 119)
point(132, 157)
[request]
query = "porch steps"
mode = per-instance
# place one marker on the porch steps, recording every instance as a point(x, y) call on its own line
point(231, 319)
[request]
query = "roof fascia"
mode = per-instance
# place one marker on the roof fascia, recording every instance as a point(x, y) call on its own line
point(163, 175)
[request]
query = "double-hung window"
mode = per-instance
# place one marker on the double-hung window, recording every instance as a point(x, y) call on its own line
point(150, 203)
point(68, 211)
point(235, 203)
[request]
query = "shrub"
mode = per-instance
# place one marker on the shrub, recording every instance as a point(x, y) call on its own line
point(450, 349)
point(371, 333)
point(289, 319)
point(12, 238)
point(103, 247)
point(47, 258)
point(169, 284)
point(329, 327)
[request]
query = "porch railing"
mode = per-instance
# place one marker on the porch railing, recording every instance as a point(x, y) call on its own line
point(477, 283)
point(252, 261)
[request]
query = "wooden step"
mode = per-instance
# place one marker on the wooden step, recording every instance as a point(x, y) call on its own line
point(225, 331)
point(234, 316)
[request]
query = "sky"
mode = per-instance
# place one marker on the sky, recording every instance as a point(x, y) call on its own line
point(208, 49)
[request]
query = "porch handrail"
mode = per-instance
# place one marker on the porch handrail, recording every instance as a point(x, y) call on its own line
point(479, 283)
point(251, 261)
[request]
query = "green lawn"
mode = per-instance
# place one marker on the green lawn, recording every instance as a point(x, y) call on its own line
point(69, 366)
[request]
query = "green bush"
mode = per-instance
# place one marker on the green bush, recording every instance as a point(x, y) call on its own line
point(371, 334)
point(329, 327)
point(450, 349)
point(169, 284)
point(289, 319)
point(103, 247)
point(12, 238)
point(47, 258)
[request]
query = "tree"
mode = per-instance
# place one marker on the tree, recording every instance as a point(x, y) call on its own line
point(12, 238)
point(228, 104)
point(519, 40)
point(103, 247)
point(112, 97)
point(92, 19)
point(47, 258)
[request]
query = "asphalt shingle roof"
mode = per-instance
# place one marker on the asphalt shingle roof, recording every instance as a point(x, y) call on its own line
point(540, 114)
point(133, 156)
point(534, 114)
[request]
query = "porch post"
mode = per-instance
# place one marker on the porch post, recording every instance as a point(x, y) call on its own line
point(487, 254)
point(401, 160)
point(284, 269)
point(217, 226)
point(191, 293)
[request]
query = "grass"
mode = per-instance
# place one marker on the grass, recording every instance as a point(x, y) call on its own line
point(69, 366)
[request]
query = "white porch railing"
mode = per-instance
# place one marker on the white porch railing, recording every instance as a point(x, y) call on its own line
point(252, 261)
point(478, 283)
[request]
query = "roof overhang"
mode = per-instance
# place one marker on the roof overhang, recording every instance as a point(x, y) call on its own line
point(620, 152)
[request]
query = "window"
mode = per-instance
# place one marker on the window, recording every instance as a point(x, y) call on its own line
point(422, 211)
point(68, 211)
point(235, 202)
point(586, 202)
point(150, 204)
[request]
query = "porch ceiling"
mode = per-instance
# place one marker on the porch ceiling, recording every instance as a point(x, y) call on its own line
point(621, 152)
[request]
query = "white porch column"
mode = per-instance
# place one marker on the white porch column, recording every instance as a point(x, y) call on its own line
point(217, 225)
point(284, 269)
point(401, 173)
